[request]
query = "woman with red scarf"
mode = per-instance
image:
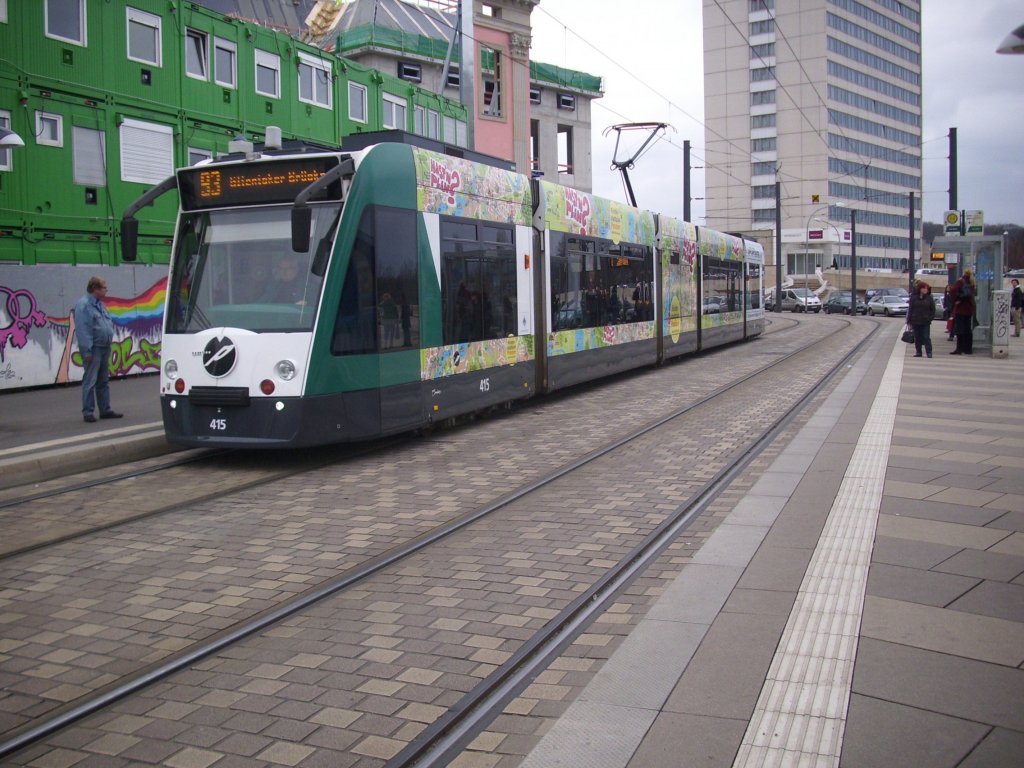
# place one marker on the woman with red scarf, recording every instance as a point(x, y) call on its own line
point(963, 293)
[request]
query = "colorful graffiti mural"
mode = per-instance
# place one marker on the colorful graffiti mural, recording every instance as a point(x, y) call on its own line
point(37, 338)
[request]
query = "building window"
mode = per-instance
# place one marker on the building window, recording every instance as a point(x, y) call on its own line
point(762, 74)
point(5, 153)
point(453, 79)
point(268, 74)
point(762, 121)
point(143, 37)
point(314, 81)
point(762, 97)
point(409, 71)
point(762, 145)
point(357, 102)
point(197, 57)
point(419, 120)
point(196, 155)
point(762, 27)
point(3, 11)
point(490, 68)
point(49, 129)
point(65, 20)
point(565, 149)
point(762, 51)
point(460, 133)
point(449, 128)
point(147, 152)
point(761, 5)
point(433, 124)
point(393, 113)
point(534, 95)
point(763, 191)
point(225, 56)
point(762, 169)
point(567, 101)
point(88, 151)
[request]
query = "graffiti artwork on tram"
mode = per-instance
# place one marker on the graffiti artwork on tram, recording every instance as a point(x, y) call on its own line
point(37, 327)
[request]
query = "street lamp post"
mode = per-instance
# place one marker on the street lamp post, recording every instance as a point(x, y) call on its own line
point(853, 262)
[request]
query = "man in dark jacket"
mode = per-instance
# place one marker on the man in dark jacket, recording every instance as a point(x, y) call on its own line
point(1016, 305)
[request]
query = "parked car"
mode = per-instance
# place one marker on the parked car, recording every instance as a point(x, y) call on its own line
point(800, 300)
point(890, 306)
point(870, 293)
point(714, 304)
point(940, 304)
point(1018, 273)
point(839, 301)
point(930, 271)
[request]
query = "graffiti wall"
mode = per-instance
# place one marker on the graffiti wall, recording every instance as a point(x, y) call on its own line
point(37, 333)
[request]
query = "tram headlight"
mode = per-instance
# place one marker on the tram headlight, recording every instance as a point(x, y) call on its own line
point(171, 369)
point(285, 370)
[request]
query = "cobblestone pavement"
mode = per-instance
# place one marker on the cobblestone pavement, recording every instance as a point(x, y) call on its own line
point(352, 680)
point(47, 520)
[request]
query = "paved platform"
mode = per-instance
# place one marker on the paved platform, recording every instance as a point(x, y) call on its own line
point(863, 605)
point(42, 430)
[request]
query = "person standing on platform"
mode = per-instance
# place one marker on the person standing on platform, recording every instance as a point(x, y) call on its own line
point(964, 291)
point(94, 329)
point(947, 310)
point(1016, 305)
point(920, 314)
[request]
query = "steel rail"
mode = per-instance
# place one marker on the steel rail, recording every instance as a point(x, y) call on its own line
point(440, 742)
point(133, 683)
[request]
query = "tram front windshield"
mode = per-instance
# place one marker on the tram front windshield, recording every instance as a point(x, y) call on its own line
point(236, 268)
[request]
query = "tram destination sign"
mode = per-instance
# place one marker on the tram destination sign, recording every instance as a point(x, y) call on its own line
point(254, 183)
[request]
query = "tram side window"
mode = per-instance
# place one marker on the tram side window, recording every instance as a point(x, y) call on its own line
point(478, 281)
point(379, 308)
point(723, 285)
point(398, 303)
point(596, 283)
point(355, 328)
point(754, 286)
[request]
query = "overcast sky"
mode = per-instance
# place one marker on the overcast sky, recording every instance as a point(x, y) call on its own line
point(649, 53)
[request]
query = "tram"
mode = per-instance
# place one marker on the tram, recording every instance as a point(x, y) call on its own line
point(323, 295)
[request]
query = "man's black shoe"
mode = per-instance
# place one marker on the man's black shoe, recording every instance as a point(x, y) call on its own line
point(89, 418)
point(111, 415)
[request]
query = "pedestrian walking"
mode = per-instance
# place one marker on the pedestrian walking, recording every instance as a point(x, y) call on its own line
point(94, 330)
point(920, 314)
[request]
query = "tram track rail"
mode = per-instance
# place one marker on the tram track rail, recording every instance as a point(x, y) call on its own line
point(19, 506)
point(485, 701)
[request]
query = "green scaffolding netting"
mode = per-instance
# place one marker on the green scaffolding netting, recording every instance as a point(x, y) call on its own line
point(428, 47)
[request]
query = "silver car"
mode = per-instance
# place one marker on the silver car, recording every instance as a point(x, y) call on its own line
point(890, 306)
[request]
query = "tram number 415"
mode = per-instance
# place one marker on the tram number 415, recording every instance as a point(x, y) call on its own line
point(485, 385)
point(218, 425)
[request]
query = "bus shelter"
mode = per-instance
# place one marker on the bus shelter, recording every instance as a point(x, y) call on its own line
point(986, 256)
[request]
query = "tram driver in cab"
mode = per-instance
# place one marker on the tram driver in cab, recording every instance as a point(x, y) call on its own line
point(287, 285)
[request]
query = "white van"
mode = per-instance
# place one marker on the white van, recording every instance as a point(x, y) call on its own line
point(800, 300)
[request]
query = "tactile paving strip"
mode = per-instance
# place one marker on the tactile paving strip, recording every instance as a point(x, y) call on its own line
point(801, 712)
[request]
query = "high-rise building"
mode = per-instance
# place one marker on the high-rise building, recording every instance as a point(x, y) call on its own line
point(823, 96)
